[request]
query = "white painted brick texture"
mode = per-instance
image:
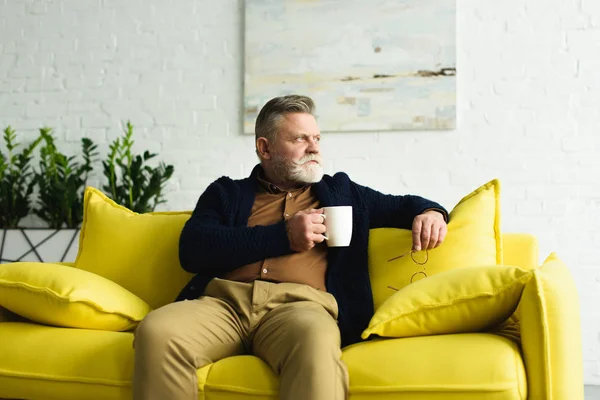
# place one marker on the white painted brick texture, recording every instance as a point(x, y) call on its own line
point(528, 109)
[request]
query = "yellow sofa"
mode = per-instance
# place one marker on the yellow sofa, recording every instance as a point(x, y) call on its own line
point(51, 363)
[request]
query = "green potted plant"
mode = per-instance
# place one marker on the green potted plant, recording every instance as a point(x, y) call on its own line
point(16, 180)
point(16, 188)
point(61, 181)
point(131, 181)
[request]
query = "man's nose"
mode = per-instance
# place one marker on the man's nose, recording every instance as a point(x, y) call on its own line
point(313, 146)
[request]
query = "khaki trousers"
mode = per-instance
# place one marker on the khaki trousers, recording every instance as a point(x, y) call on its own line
point(292, 327)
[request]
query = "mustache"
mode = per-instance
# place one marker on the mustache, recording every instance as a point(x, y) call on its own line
point(307, 158)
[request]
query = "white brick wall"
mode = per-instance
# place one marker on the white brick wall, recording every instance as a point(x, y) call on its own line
point(528, 109)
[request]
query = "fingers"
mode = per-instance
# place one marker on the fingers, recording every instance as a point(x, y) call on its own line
point(316, 218)
point(425, 236)
point(319, 228)
point(433, 236)
point(427, 233)
point(438, 234)
point(307, 229)
point(317, 238)
point(442, 235)
point(313, 211)
point(416, 234)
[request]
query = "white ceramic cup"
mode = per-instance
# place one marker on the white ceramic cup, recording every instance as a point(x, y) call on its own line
point(338, 225)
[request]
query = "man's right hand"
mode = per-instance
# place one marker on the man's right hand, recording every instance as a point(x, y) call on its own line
point(305, 229)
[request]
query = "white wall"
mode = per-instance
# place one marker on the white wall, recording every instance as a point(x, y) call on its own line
point(528, 109)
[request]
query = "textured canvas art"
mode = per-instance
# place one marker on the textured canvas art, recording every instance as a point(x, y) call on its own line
point(369, 65)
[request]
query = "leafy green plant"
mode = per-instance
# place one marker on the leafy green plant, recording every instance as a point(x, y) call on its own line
point(16, 180)
point(61, 182)
point(131, 182)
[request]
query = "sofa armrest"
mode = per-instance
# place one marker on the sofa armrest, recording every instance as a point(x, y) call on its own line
point(551, 333)
point(520, 249)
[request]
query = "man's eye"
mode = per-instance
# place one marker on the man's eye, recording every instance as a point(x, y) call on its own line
point(317, 139)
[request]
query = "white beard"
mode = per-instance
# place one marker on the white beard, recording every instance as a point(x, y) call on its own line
point(300, 171)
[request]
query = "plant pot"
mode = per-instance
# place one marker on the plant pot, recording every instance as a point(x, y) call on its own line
point(38, 244)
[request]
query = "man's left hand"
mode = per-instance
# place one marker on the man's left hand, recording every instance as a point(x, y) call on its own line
point(428, 230)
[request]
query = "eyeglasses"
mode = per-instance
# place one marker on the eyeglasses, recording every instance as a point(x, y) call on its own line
point(412, 256)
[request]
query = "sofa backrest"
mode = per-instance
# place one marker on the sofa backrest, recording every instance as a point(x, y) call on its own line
point(520, 249)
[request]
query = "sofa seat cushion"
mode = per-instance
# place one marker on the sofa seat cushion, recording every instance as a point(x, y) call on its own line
point(238, 378)
point(462, 366)
point(50, 363)
point(459, 366)
point(72, 364)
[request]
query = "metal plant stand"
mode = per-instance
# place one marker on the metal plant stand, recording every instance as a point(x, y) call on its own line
point(33, 248)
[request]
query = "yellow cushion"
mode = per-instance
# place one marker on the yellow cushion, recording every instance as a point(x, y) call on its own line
point(466, 366)
point(138, 251)
point(462, 367)
point(239, 377)
point(462, 300)
point(43, 362)
point(473, 239)
point(65, 296)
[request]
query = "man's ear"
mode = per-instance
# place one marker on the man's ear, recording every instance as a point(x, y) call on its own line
point(262, 147)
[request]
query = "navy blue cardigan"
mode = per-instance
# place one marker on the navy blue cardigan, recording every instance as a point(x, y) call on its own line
point(216, 239)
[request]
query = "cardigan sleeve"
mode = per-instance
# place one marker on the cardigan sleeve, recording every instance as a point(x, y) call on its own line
point(392, 211)
point(210, 243)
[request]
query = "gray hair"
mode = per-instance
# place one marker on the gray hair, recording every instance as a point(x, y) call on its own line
point(267, 122)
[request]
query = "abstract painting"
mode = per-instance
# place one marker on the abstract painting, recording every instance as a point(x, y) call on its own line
point(369, 65)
